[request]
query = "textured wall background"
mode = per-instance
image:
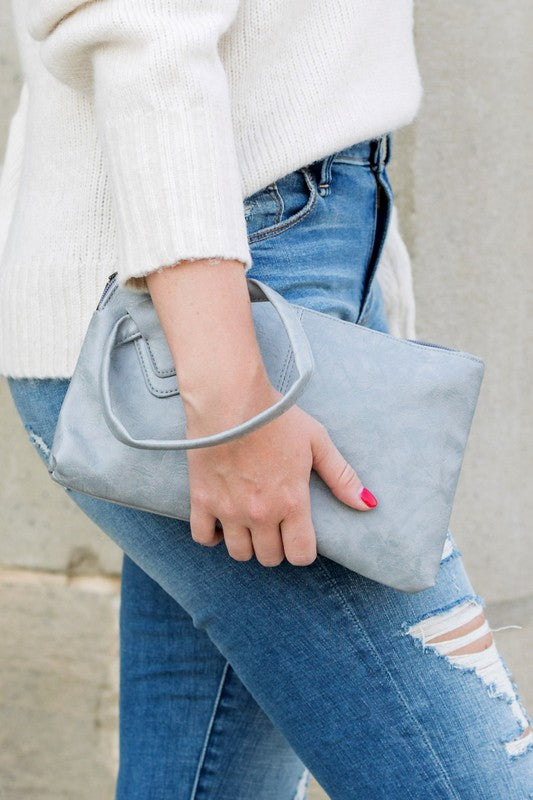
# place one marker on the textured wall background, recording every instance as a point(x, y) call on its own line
point(462, 176)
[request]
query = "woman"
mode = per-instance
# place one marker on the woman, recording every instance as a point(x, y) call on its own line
point(247, 660)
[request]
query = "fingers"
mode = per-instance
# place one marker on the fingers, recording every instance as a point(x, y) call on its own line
point(202, 525)
point(339, 475)
point(258, 529)
point(267, 544)
point(298, 534)
point(238, 542)
point(294, 539)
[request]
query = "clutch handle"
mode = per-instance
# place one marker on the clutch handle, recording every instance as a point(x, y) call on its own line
point(303, 359)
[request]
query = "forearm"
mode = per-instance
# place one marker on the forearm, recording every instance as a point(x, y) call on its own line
point(205, 312)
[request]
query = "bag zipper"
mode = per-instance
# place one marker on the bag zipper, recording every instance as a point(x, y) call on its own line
point(107, 288)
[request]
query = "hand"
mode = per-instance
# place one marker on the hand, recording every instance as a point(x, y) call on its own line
point(257, 486)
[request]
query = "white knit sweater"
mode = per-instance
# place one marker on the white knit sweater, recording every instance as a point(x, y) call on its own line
point(142, 125)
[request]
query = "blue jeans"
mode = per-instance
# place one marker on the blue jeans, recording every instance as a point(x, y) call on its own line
point(238, 679)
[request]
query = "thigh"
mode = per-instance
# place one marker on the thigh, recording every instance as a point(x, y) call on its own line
point(188, 726)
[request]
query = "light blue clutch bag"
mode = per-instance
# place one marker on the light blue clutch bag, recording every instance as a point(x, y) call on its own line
point(399, 410)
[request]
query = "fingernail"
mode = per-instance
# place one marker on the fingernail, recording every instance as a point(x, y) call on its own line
point(367, 497)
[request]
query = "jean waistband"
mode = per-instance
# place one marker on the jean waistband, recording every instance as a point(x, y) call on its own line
point(375, 152)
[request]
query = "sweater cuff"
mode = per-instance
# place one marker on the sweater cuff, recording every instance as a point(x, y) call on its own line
point(176, 189)
point(139, 284)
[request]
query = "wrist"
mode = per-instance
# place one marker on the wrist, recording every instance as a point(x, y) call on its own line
point(223, 403)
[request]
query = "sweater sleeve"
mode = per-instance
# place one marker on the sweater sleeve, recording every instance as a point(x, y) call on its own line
point(12, 166)
point(162, 109)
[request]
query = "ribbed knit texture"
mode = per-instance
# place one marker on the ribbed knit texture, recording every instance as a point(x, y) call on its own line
point(143, 124)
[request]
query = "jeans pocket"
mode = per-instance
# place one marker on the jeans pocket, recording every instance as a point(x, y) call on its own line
point(280, 205)
point(383, 210)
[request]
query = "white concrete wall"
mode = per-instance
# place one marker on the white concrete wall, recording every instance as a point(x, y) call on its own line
point(462, 175)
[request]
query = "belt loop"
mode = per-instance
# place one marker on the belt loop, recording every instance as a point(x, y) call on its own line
point(375, 154)
point(324, 180)
point(381, 152)
point(388, 147)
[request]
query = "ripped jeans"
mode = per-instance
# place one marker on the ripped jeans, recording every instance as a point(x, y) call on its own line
point(238, 680)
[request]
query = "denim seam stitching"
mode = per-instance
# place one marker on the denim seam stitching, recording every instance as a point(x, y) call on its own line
point(376, 257)
point(275, 229)
point(359, 162)
point(274, 191)
point(349, 610)
point(209, 730)
point(371, 269)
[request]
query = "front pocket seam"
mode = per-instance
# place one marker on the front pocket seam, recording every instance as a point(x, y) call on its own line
point(280, 227)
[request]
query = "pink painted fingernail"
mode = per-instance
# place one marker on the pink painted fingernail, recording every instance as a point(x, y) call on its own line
point(367, 497)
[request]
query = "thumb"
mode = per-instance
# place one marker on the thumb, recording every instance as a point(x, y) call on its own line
point(339, 475)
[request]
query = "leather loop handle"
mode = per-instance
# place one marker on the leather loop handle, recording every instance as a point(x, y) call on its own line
point(303, 358)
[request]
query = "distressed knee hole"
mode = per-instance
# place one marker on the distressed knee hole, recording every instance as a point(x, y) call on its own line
point(461, 630)
point(470, 637)
point(462, 635)
point(521, 744)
